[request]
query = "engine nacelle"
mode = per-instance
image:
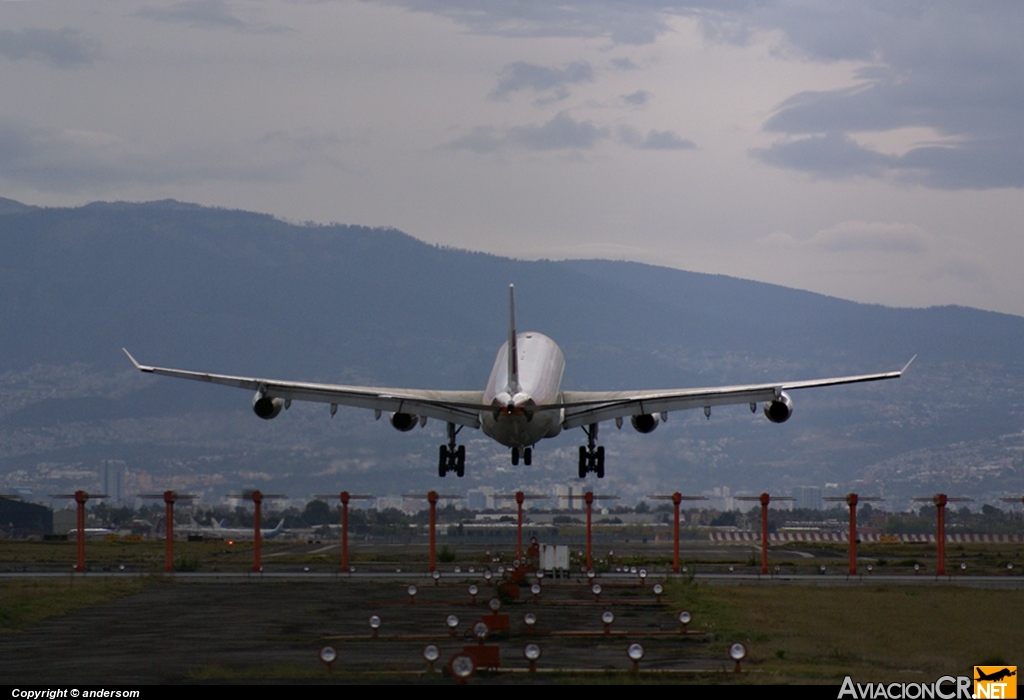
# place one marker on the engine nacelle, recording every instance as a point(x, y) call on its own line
point(404, 422)
point(266, 407)
point(645, 422)
point(779, 410)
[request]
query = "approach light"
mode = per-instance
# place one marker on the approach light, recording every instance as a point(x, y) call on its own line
point(658, 590)
point(591, 574)
point(596, 590)
point(431, 654)
point(452, 621)
point(328, 655)
point(375, 624)
point(607, 618)
point(684, 619)
point(642, 574)
point(473, 590)
point(494, 604)
point(532, 653)
point(462, 667)
point(535, 590)
point(436, 575)
point(480, 631)
point(737, 652)
point(412, 591)
point(529, 619)
point(635, 652)
point(488, 575)
point(457, 570)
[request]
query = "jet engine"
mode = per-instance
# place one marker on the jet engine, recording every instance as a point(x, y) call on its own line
point(644, 423)
point(266, 407)
point(404, 422)
point(779, 410)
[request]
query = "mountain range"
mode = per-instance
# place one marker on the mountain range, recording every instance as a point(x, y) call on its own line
point(236, 292)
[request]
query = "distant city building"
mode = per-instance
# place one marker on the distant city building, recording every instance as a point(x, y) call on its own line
point(482, 498)
point(807, 497)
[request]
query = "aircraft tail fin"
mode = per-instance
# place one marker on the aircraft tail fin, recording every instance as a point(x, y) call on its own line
point(513, 352)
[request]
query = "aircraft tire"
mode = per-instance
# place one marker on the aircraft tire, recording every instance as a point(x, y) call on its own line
point(528, 456)
point(442, 461)
point(515, 456)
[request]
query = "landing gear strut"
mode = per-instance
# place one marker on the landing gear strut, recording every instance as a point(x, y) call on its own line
point(452, 457)
point(591, 457)
point(527, 456)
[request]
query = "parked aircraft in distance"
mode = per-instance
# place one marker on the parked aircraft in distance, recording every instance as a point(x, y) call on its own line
point(220, 531)
point(522, 403)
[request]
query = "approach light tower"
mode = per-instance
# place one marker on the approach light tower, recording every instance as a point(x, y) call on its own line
point(169, 497)
point(676, 499)
point(764, 499)
point(81, 498)
point(851, 500)
point(345, 497)
point(940, 500)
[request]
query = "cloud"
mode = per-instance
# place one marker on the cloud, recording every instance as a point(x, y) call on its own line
point(640, 97)
point(956, 74)
point(211, 14)
point(621, 22)
point(872, 236)
point(65, 160)
point(654, 140)
point(562, 132)
point(61, 47)
point(833, 156)
point(554, 82)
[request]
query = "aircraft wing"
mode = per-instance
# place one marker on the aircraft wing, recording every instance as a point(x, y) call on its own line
point(459, 407)
point(586, 407)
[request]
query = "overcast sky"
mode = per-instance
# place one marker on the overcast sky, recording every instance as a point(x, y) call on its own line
point(867, 150)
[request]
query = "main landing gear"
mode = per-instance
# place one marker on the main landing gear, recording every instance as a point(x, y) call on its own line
point(527, 456)
point(591, 457)
point(453, 457)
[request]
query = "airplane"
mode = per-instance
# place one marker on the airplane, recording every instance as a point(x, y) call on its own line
point(995, 675)
point(219, 529)
point(522, 403)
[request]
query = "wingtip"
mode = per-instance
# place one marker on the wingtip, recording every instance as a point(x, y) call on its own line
point(134, 362)
point(909, 362)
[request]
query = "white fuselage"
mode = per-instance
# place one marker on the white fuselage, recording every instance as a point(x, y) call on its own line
point(513, 423)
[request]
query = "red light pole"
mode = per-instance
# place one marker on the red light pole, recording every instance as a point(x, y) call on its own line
point(169, 498)
point(940, 500)
point(519, 497)
point(81, 498)
point(676, 499)
point(851, 499)
point(764, 499)
point(257, 497)
point(432, 498)
point(589, 499)
point(345, 497)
